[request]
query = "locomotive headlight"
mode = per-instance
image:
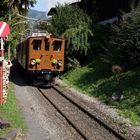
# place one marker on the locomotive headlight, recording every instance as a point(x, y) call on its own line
point(38, 61)
point(33, 62)
point(59, 63)
point(54, 61)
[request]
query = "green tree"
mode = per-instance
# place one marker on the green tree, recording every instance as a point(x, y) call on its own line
point(73, 24)
point(15, 22)
point(21, 5)
point(125, 43)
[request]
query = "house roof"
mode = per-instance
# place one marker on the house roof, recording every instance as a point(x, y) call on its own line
point(104, 9)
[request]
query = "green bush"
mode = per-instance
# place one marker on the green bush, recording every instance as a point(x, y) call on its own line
point(125, 42)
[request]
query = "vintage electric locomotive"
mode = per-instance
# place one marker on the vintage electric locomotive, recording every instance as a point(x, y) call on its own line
point(41, 55)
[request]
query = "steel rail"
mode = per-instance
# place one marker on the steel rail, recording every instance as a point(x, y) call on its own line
point(84, 137)
point(121, 137)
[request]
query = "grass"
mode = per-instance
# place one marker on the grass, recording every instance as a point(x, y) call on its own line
point(11, 113)
point(96, 79)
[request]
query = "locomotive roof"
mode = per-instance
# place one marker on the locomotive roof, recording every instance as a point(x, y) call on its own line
point(47, 35)
point(39, 35)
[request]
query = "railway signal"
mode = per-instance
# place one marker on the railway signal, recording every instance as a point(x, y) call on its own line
point(4, 32)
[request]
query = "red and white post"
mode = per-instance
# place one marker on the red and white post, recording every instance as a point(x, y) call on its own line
point(4, 31)
point(1, 71)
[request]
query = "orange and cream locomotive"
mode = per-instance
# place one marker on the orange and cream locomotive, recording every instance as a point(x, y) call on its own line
point(41, 56)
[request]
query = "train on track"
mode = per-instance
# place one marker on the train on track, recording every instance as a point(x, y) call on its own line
point(41, 56)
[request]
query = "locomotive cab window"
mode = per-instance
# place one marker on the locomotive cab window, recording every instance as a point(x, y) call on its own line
point(57, 46)
point(37, 44)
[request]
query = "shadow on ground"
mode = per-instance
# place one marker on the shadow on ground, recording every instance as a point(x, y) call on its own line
point(16, 76)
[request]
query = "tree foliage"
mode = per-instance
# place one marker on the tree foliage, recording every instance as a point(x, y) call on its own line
point(78, 38)
point(125, 43)
point(16, 23)
point(72, 23)
point(21, 5)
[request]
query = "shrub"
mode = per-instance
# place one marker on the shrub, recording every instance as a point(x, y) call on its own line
point(125, 43)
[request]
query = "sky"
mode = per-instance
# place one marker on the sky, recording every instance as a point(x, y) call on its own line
point(46, 5)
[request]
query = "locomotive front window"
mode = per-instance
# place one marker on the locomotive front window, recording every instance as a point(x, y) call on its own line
point(57, 46)
point(37, 44)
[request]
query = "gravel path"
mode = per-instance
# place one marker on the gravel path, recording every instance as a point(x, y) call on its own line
point(27, 104)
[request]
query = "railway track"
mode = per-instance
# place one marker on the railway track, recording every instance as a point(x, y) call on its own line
point(85, 123)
